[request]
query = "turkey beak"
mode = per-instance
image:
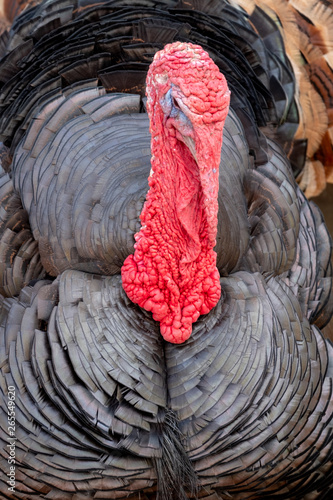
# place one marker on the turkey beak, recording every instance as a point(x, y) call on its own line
point(205, 143)
point(206, 150)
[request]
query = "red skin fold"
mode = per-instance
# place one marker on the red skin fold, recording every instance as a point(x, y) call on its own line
point(173, 270)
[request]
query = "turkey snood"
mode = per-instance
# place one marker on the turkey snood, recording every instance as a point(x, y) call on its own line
point(173, 270)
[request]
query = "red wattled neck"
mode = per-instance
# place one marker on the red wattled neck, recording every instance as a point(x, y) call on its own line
point(175, 183)
point(173, 270)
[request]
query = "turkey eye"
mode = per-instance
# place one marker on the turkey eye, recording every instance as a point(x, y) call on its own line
point(175, 103)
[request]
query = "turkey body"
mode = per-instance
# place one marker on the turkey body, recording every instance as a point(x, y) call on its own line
point(104, 407)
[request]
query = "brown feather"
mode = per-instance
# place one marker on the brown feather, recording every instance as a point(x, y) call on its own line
point(307, 30)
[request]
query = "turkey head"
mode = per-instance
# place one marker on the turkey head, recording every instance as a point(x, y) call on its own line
point(173, 270)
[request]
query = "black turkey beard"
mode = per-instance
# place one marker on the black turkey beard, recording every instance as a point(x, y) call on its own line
point(176, 477)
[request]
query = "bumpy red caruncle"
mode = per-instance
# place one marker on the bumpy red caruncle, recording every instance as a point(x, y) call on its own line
point(173, 270)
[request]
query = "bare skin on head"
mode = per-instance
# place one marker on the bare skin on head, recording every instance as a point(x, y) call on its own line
point(173, 270)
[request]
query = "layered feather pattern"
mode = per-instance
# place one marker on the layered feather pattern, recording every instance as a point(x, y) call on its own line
point(104, 407)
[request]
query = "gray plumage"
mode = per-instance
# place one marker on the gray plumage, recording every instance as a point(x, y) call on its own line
point(104, 407)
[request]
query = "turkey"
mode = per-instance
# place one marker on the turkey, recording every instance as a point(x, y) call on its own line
point(164, 279)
